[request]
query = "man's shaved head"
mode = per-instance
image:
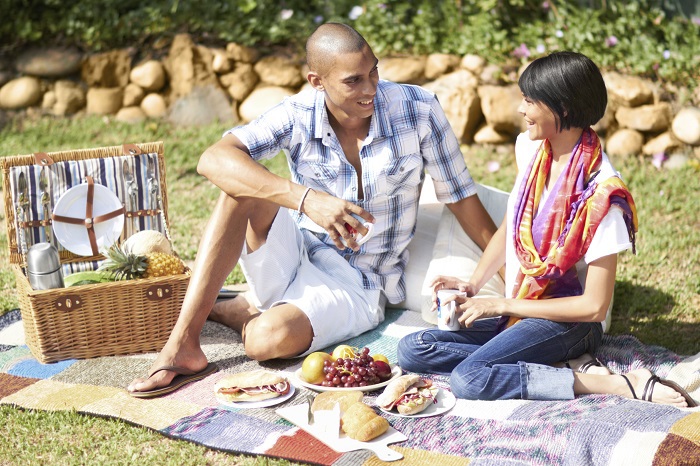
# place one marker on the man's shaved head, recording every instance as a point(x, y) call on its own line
point(328, 42)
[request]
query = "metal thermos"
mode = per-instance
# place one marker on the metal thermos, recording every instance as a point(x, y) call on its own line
point(44, 267)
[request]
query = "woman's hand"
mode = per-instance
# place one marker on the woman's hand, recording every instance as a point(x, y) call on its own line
point(442, 282)
point(470, 309)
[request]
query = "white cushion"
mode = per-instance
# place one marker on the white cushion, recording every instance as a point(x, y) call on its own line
point(440, 246)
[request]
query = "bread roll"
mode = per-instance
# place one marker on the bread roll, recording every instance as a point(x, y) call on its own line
point(360, 422)
point(327, 400)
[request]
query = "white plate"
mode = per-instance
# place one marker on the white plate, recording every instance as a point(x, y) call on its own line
point(395, 372)
point(260, 404)
point(72, 204)
point(445, 402)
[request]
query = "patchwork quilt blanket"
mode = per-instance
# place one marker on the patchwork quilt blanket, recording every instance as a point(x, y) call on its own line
point(589, 430)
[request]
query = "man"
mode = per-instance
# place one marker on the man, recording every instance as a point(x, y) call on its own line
point(357, 149)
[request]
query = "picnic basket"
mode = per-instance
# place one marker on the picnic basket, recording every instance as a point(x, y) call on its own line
point(101, 319)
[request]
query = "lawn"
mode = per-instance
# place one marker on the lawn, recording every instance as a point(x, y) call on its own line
point(657, 295)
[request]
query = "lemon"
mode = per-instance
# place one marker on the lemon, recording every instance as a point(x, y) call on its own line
point(343, 351)
point(380, 357)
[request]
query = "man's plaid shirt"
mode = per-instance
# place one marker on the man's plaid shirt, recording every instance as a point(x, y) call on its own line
point(409, 133)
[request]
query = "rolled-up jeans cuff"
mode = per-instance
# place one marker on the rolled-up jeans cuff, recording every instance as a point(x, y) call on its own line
point(541, 382)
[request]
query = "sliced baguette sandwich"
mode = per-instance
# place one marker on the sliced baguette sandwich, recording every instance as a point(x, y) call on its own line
point(255, 385)
point(409, 394)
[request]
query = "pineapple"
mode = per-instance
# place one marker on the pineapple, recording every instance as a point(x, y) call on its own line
point(125, 265)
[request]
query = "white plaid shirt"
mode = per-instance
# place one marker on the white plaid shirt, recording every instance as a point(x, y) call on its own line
point(408, 134)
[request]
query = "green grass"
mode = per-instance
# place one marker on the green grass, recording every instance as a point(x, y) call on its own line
point(657, 295)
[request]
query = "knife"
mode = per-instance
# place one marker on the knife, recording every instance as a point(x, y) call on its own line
point(22, 204)
point(153, 188)
point(45, 187)
point(310, 399)
point(131, 192)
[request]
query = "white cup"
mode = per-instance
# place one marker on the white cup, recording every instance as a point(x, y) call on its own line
point(446, 314)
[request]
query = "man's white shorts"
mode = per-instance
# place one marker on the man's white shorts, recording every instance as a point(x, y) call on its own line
point(295, 267)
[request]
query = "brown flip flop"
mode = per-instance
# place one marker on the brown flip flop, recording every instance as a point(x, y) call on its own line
point(649, 389)
point(184, 377)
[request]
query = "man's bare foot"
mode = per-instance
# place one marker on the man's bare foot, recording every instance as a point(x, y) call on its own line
point(187, 358)
point(233, 313)
point(635, 385)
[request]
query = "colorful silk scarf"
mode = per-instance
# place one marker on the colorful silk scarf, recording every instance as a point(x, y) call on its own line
point(550, 243)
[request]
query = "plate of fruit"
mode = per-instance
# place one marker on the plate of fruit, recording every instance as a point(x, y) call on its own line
point(347, 368)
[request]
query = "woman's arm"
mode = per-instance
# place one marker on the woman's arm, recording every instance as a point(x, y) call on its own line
point(591, 306)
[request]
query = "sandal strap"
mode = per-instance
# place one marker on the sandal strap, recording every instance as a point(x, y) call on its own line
point(176, 369)
point(649, 388)
point(629, 384)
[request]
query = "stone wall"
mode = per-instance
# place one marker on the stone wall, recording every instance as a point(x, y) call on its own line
point(193, 84)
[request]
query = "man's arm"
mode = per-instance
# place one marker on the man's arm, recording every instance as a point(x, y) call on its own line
point(229, 166)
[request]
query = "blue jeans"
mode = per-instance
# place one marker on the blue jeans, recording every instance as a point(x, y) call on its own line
point(515, 364)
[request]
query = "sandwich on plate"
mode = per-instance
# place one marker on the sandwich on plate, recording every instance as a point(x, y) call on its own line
point(409, 394)
point(255, 385)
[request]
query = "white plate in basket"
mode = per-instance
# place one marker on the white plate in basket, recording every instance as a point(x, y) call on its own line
point(72, 203)
point(395, 372)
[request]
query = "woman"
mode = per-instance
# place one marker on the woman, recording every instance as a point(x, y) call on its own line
point(568, 217)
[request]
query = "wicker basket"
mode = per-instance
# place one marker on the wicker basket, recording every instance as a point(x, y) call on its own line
point(104, 319)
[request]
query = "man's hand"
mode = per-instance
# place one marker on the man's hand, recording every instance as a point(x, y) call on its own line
point(335, 216)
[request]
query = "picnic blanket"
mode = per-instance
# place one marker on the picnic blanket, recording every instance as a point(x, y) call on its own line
point(593, 429)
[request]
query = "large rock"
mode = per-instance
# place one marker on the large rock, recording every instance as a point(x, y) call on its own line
point(150, 76)
point(491, 75)
point(276, 70)
point(262, 99)
point(457, 94)
point(629, 91)
point(240, 82)
point(50, 62)
point(473, 63)
point(188, 66)
point(500, 107)
point(241, 53)
point(220, 63)
point(70, 97)
point(648, 118)
point(608, 124)
point(663, 143)
point(409, 70)
point(686, 125)
point(104, 100)
point(130, 115)
point(624, 142)
point(154, 106)
point(438, 64)
point(488, 135)
point(204, 105)
point(108, 69)
point(20, 93)
point(133, 95)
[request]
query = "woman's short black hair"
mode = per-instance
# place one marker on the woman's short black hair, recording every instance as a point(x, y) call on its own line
point(570, 85)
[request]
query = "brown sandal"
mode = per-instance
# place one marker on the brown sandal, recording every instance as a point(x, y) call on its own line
point(649, 389)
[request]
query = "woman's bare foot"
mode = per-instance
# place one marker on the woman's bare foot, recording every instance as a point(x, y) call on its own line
point(637, 388)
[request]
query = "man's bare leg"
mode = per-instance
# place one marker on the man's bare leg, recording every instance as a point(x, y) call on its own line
point(280, 332)
point(219, 250)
